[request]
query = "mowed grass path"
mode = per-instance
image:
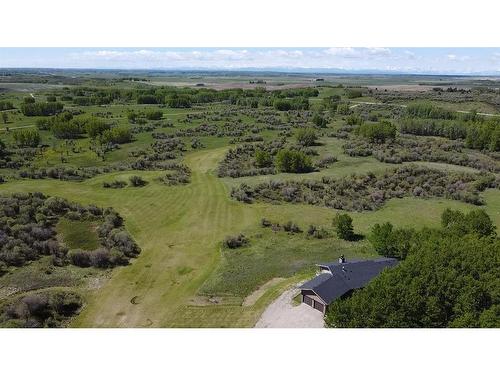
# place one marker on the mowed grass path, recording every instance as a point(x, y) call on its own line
point(178, 228)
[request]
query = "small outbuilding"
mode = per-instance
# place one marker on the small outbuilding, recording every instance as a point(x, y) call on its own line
point(339, 278)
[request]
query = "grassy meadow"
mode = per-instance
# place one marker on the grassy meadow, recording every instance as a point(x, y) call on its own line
point(184, 277)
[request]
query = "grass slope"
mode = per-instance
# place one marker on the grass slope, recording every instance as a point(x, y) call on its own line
point(179, 229)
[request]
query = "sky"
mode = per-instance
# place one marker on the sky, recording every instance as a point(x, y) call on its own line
point(397, 60)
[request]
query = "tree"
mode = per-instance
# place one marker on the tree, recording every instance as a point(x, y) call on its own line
point(354, 93)
point(343, 226)
point(448, 280)
point(27, 137)
point(116, 135)
point(380, 238)
point(95, 126)
point(67, 130)
point(476, 222)
point(41, 109)
point(379, 132)
point(480, 223)
point(306, 137)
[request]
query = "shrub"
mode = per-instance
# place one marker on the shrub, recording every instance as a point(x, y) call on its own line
point(117, 184)
point(319, 121)
point(80, 258)
point(343, 109)
point(233, 242)
point(263, 159)
point(265, 223)
point(306, 137)
point(153, 115)
point(137, 181)
point(291, 227)
point(290, 161)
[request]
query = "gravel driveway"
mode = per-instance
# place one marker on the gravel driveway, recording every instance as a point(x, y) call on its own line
point(283, 314)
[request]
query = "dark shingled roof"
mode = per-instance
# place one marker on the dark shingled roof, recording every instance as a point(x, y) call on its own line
point(345, 277)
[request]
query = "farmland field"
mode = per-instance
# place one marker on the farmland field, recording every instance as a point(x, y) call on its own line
point(193, 171)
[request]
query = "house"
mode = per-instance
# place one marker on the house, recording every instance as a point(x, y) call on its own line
point(339, 278)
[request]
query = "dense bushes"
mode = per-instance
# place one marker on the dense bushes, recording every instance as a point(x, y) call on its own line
point(484, 135)
point(480, 134)
point(41, 109)
point(406, 149)
point(369, 191)
point(178, 101)
point(95, 127)
point(27, 232)
point(5, 105)
point(427, 110)
point(441, 128)
point(250, 159)
point(449, 278)
point(27, 137)
point(181, 175)
point(354, 93)
point(116, 135)
point(299, 103)
point(46, 309)
point(379, 132)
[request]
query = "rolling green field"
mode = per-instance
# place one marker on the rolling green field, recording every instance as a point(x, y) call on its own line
point(179, 230)
point(184, 276)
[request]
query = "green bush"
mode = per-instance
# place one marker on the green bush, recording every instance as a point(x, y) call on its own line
point(306, 137)
point(263, 159)
point(291, 161)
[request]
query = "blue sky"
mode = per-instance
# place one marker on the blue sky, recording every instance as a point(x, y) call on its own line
point(411, 60)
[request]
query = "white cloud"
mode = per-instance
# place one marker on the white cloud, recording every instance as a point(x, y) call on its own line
point(344, 58)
